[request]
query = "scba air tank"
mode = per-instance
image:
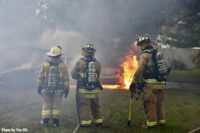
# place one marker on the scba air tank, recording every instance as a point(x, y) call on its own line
point(52, 77)
point(92, 75)
point(162, 64)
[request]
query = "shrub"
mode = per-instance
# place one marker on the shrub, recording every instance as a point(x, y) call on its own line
point(177, 64)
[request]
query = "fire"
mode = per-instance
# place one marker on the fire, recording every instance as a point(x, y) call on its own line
point(111, 87)
point(129, 67)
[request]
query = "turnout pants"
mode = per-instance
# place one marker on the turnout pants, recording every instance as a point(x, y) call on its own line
point(51, 104)
point(88, 108)
point(154, 95)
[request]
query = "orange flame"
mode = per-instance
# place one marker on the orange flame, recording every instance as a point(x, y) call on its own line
point(129, 67)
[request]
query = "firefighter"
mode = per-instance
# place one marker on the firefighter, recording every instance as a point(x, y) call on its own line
point(153, 88)
point(53, 83)
point(87, 71)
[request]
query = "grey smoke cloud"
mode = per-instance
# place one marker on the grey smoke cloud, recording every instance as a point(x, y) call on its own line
point(37, 25)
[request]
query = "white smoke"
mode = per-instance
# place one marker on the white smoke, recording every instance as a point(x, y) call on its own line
point(33, 25)
point(70, 41)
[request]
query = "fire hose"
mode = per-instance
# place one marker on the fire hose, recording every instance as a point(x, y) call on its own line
point(76, 129)
point(195, 130)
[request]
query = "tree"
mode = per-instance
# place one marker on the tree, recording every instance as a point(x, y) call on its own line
point(182, 27)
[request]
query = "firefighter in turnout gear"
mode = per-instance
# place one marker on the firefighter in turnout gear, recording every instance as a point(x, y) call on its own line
point(87, 71)
point(53, 83)
point(151, 77)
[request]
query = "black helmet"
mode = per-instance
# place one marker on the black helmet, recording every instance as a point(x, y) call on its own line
point(89, 48)
point(143, 39)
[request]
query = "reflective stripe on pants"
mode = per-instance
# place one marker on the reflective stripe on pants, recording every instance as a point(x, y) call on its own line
point(162, 121)
point(150, 124)
point(46, 112)
point(55, 112)
point(88, 91)
point(153, 81)
point(86, 122)
point(98, 121)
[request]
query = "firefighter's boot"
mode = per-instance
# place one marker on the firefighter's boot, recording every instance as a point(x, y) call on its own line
point(55, 122)
point(99, 125)
point(149, 127)
point(44, 122)
point(85, 126)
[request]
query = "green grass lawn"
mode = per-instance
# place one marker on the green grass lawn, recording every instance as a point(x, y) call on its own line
point(22, 110)
point(191, 75)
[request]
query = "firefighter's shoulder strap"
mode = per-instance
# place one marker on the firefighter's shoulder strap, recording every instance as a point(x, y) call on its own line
point(47, 65)
point(153, 72)
point(61, 66)
point(87, 60)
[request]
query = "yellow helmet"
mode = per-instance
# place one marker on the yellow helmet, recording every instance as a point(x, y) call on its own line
point(55, 51)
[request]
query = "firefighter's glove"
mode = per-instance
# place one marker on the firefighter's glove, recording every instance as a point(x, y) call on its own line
point(66, 92)
point(132, 87)
point(99, 85)
point(101, 88)
point(136, 94)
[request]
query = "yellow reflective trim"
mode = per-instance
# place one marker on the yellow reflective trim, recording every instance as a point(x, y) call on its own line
point(149, 64)
point(162, 121)
point(88, 46)
point(153, 81)
point(45, 74)
point(86, 122)
point(90, 96)
point(46, 64)
point(56, 112)
point(46, 112)
point(55, 50)
point(143, 38)
point(83, 75)
point(66, 83)
point(88, 91)
point(61, 75)
point(98, 120)
point(146, 38)
point(151, 123)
